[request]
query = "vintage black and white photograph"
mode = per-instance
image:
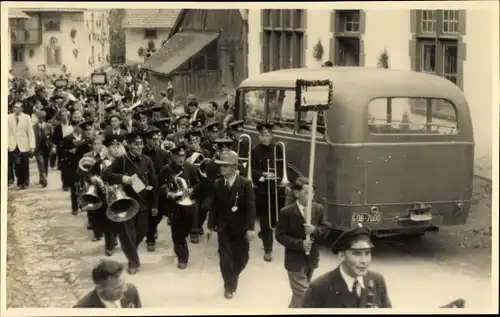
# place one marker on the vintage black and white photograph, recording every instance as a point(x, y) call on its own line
point(250, 157)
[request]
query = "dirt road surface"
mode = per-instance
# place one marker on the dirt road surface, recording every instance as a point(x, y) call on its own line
point(50, 256)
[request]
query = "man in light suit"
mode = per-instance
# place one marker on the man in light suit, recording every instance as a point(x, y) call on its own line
point(291, 232)
point(43, 146)
point(21, 144)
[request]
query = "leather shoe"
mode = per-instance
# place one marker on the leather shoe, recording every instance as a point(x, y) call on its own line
point(151, 247)
point(182, 265)
point(268, 257)
point(132, 270)
point(108, 252)
point(228, 294)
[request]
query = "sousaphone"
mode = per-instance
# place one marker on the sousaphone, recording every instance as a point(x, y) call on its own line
point(121, 208)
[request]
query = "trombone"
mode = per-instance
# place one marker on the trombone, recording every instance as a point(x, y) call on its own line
point(246, 161)
point(284, 180)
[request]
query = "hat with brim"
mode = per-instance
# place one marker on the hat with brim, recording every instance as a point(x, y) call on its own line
point(358, 238)
point(227, 158)
point(135, 136)
point(193, 133)
point(178, 149)
point(85, 124)
point(224, 141)
point(112, 139)
point(213, 127)
point(236, 124)
point(152, 131)
point(183, 117)
point(141, 114)
point(197, 124)
point(261, 127)
point(41, 114)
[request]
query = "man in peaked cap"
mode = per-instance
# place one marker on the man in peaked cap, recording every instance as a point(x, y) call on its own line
point(142, 120)
point(351, 284)
point(181, 217)
point(262, 158)
point(210, 135)
point(160, 158)
point(134, 162)
point(235, 130)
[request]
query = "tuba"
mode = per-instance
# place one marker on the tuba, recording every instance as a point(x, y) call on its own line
point(121, 208)
point(182, 192)
point(85, 164)
point(167, 145)
point(90, 199)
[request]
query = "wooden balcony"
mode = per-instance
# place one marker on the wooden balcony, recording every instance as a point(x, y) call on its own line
point(26, 36)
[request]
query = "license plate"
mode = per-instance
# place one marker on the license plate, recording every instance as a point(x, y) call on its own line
point(365, 218)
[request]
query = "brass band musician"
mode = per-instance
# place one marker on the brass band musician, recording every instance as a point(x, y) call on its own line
point(211, 134)
point(128, 170)
point(177, 182)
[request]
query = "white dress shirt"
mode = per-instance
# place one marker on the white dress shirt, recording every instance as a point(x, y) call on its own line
point(302, 209)
point(230, 181)
point(349, 281)
point(67, 129)
point(108, 304)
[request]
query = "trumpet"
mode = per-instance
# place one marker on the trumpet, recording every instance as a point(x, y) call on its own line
point(182, 192)
point(247, 161)
point(283, 183)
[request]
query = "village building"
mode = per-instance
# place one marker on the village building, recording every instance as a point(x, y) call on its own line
point(58, 41)
point(455, 44)
point(205, 53)
point(145, 32)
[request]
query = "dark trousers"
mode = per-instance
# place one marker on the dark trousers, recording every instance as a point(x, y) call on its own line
point(180, 224)
point(74, 196)
point(11, 161)
point(299, 282)
point(233, 256)
point(42, 161)
point(199, 220)
point(265, 233)
point(97, 219)
point(65, 173)
point(53, 159)
point(21, 166)
point(153, 223)
point(131, 233)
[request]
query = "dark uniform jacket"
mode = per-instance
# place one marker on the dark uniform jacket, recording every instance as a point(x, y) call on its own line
point(210, 146)
point(330, 291)
point(290, 233)
point(130, 299)
point(166, 184)
point(69, 142)
point(129, 165)
point(159, 156)
point(108, 130)
point(221, 214)
point(260, 154)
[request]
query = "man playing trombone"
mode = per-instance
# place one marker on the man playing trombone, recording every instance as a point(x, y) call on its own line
point(232, 216)
point(129, 170)
point(264, 157)
point(177, 182)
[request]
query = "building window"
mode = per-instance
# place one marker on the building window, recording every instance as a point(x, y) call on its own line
point(438, 43)
point(92, 54)
point(450, 21)
point(17, 24)
point(52, 25)
point(283, 39)
point(150, 33)
point(428, 21)
point(347, 37)
point(17, 54)
point(412, 116)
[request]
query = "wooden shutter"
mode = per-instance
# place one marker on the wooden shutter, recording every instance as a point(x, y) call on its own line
point(58, 60)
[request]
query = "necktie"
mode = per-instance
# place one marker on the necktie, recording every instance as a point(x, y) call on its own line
point(17, 120)
point(97, 156)
point(356, 291)
point(228, 186)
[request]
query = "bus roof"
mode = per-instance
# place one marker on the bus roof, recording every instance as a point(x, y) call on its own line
point(371, 82)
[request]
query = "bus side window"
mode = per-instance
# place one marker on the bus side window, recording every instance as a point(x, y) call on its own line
point(305, 123)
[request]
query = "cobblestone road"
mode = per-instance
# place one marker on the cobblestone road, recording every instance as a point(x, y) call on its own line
point(51, 255)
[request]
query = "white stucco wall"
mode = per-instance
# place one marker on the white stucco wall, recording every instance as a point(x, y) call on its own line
point(478, 76)
point(395, 36)
point(78, 66)
point(387, 30)
point(134, 39)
